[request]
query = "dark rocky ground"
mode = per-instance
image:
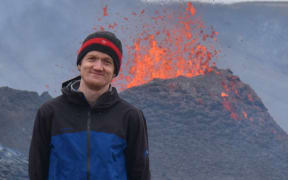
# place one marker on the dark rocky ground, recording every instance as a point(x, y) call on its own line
point(13, 165)
point(209, 127)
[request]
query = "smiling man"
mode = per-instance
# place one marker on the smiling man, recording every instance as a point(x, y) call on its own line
point(89, 132)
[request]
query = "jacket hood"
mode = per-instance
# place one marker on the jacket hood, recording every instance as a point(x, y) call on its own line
point(105, 101)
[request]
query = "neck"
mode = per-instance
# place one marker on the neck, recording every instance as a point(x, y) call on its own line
point(92, 95)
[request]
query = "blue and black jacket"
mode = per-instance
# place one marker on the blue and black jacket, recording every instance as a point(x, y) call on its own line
point(73, 141)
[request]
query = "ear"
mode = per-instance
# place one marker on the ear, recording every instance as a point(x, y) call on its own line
point(78, 67)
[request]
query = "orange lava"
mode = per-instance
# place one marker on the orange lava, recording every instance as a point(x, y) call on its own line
point(244, 114)
point(112, 26)
point(225, 86)
point(234, 116)
point(226, 101)
point(191, 8)
point(169, 52)
point(173, 43)
point(250, 98)
point(227, 106)
point(105, 13)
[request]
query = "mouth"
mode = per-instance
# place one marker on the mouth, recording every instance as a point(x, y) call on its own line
point(96, 74)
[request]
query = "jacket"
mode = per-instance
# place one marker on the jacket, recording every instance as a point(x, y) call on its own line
point(73, 141)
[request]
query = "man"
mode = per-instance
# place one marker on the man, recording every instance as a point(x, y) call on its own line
point(89, 133)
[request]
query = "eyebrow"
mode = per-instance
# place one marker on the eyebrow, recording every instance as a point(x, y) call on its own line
point(92, 56)
point(95, 56)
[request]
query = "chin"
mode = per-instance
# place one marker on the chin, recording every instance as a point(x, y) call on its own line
point(96, 85)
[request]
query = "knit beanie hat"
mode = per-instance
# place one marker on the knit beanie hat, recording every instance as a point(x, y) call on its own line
point(105, 42)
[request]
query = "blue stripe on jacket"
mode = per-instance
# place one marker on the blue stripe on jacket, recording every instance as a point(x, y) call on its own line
point(68, 156)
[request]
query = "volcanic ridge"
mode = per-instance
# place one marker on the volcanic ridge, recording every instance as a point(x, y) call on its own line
point(211, 126)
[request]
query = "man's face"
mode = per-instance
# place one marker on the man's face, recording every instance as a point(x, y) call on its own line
point(96, 70)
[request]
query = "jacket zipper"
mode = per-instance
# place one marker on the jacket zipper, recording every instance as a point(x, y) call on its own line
point(88, 145)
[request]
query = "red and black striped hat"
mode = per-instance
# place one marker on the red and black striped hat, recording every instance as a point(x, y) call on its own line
point(103, 41)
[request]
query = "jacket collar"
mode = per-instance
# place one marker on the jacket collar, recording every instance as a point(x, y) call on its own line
point(105, 101)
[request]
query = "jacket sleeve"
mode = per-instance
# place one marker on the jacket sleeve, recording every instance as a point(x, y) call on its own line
point(137, 152)
point(39, 147)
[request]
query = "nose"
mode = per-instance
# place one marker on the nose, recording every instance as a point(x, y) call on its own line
point(97, 65)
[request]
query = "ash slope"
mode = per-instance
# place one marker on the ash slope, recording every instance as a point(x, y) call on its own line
point(210, 127)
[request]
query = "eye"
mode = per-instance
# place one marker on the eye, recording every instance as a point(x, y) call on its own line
point(91, 59)
point(107, 61)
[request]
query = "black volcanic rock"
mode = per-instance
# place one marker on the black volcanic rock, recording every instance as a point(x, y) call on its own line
point(17, 113)
point(13, 165)
point(210, 127)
